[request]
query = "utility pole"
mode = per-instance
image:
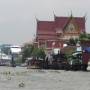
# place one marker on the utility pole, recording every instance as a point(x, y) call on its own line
point(12, 60)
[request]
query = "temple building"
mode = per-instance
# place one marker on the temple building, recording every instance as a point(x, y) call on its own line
point(53, 34)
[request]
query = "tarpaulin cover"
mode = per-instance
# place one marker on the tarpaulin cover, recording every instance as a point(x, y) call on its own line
point(86, 49)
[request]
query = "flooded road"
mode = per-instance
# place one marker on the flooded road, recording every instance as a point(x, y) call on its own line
point(21, 78)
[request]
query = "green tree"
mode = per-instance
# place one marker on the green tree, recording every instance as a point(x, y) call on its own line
point(72, 42)
point(38, 53)
point(5, 48)
point(88, 36)
point(27, 51)
point(41, 53)
point(84, 37)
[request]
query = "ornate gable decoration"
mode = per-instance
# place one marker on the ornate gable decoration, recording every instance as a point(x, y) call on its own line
point(71, 26)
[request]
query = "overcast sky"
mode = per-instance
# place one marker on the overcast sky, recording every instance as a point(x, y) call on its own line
point(17, 17)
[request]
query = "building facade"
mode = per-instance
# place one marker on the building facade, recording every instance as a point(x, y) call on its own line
point(53, 34)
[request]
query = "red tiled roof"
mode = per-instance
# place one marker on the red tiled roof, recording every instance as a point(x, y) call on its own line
point(45, 25)
point(80, 21)
point(45, 32)
point(47, 37)
point(50, 27)
point(60, 22)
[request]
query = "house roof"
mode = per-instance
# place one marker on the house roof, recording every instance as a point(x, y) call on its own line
point(50, 27)
point(45, 25)
point(60, 22)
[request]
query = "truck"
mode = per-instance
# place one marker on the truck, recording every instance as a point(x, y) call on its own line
point(80, 60)
point(85, 53)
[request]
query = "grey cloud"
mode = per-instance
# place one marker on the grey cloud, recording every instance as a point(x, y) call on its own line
point(17, 17)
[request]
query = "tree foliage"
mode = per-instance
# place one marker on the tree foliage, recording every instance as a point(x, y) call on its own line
point(38, 53)
point(5, 48)
point(72, 42)
point(29, 50)
point(84, 37)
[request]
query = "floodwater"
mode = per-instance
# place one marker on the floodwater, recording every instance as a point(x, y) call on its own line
point(21, 78)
